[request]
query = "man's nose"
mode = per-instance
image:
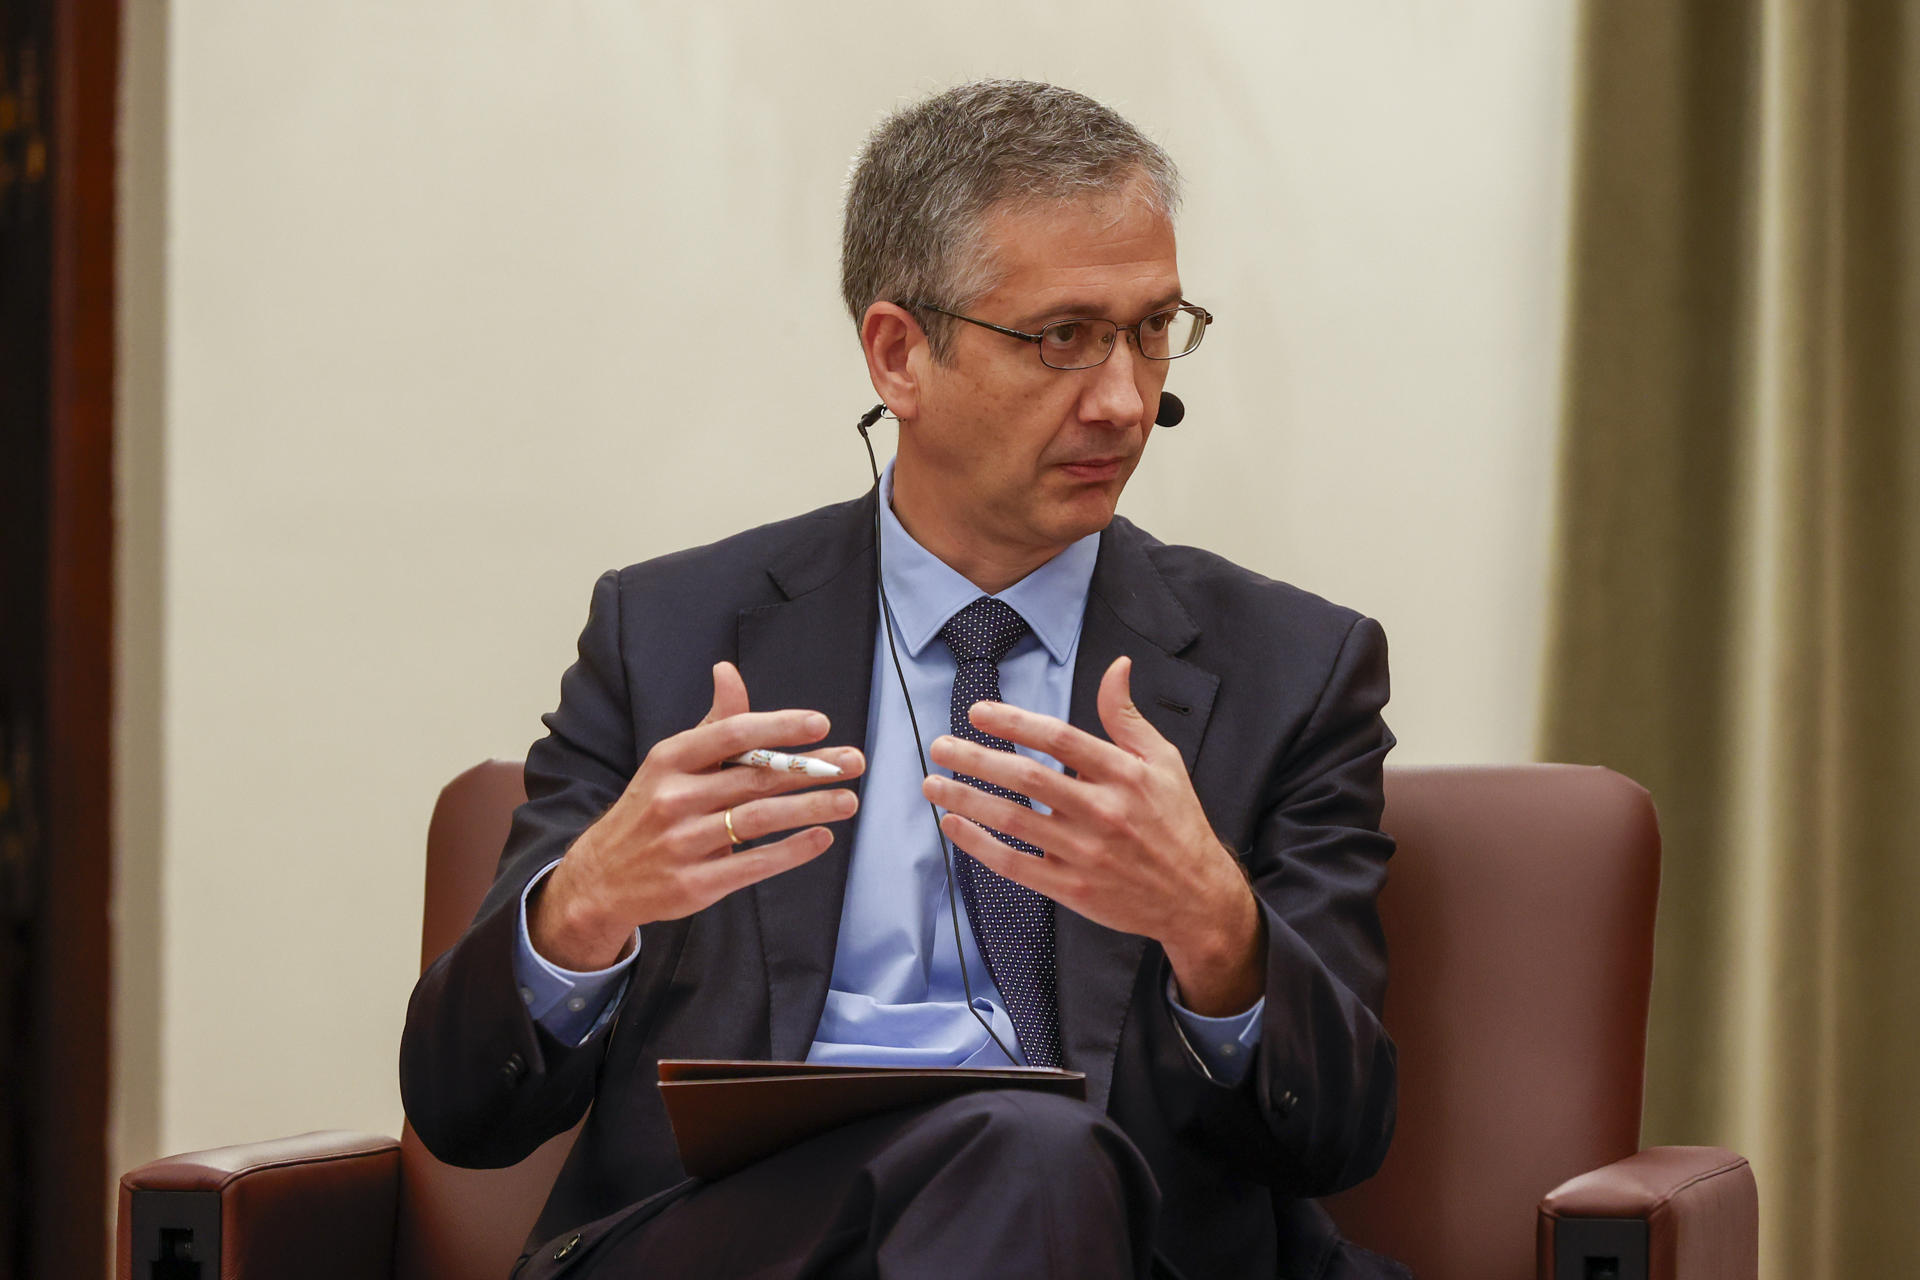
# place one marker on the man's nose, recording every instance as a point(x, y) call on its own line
point(1114, 397)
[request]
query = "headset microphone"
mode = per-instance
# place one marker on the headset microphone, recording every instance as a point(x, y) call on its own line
point(1172, 411)
point(866, 421)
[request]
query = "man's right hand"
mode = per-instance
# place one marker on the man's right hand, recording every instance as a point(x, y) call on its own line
point(662, 852)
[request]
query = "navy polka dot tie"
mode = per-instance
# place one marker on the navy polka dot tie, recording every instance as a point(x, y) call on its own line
point(1012, 923)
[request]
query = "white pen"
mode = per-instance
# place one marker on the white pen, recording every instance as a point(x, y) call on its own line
point(761, 758)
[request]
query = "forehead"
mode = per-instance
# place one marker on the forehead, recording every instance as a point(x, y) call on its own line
point(1104, 251)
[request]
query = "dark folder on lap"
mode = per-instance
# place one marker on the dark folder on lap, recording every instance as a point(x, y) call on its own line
point(726, 1114)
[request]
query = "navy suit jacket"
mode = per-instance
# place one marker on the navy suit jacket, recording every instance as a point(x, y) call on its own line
point(1274, 699)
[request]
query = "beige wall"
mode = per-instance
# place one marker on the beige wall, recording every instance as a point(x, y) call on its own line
point(431, 316)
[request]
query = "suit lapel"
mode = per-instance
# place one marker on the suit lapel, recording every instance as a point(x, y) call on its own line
point(813, 650)
point(1131, 611)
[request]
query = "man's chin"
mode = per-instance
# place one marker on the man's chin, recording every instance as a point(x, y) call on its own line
point(1089, 511)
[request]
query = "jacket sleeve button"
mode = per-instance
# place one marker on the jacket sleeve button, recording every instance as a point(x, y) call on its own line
point(513, 1068)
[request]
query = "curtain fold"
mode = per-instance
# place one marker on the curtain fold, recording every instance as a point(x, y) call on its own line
point(1736, 612)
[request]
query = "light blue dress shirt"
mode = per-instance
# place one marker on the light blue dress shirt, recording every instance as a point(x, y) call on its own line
point(896, 996)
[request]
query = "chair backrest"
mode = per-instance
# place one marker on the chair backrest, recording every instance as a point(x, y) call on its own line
point(1519, 917)
point(455, 1224)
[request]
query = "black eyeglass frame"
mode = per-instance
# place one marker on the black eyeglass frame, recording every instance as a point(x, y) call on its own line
point(1038, 339)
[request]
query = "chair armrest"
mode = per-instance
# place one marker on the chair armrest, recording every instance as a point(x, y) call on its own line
point(319, 1205)
point(1666, 1213)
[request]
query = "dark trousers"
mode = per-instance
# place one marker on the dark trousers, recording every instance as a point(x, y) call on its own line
point(1003, 1183)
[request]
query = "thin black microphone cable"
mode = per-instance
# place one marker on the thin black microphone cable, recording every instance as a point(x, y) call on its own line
point(867, 420)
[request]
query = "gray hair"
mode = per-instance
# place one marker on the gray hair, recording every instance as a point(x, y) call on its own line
point(929, 174)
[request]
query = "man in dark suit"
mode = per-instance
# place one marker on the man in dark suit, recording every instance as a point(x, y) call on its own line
point(1161, 775)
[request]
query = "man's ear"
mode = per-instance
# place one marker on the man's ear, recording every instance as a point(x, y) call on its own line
point(898, 357)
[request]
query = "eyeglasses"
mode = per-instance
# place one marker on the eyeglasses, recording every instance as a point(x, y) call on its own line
point(1084, 343)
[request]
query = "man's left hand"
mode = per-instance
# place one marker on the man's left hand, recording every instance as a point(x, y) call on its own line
point(1127, 843)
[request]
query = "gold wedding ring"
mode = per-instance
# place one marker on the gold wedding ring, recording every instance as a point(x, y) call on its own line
point(731, 838)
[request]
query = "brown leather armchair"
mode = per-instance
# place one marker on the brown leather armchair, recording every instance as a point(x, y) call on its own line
point(1519, 914)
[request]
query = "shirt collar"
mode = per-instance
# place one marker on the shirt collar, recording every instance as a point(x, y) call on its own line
point(925, 591)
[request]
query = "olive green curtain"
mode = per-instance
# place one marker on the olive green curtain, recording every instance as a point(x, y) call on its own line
point(1736, 613)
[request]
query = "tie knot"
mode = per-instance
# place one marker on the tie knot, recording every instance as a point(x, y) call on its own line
point(984, 630)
